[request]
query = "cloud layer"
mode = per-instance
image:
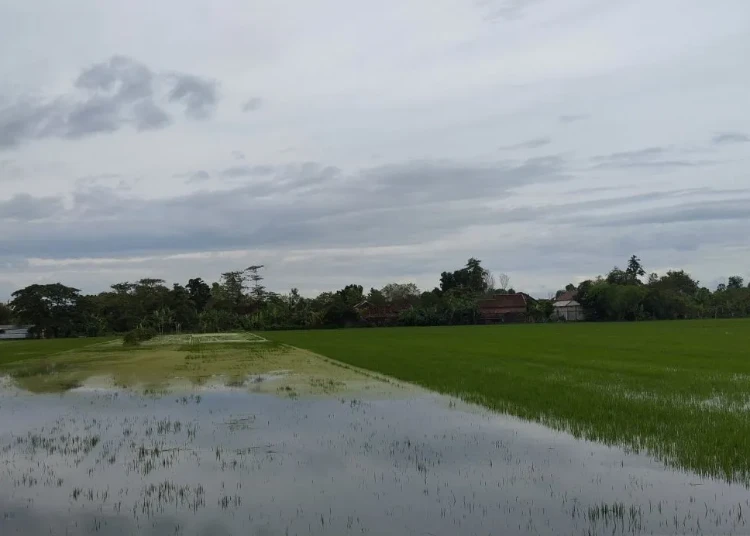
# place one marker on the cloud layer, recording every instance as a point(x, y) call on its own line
point(549, 139)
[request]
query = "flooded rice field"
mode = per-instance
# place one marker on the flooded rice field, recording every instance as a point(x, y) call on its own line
point(221, 460)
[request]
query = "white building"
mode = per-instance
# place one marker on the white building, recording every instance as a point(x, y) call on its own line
point(14, 332)
point(569, 310)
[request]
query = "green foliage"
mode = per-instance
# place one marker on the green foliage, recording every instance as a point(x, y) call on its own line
point(50, 309)
point(130, 339)
point(137, 336)
point(735, 282)
point(470, 279)
point(675, 389)
point(675, 295)
point(241, 302)
point(199, 293)
point(6, 315)
point(32, 350)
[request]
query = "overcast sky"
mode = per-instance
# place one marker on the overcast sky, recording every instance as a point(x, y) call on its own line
point(338, 141)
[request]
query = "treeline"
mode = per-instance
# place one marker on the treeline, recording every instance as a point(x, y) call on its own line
point(240, 301)
point(630, 294)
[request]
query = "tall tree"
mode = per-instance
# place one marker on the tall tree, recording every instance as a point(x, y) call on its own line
point(635, 270)
point(258, 291)
point(735, 282)
point(503, 281)
point(6, 315)
point(376, 297)
point(51, 309)
point(400, 293)
point(472, 278)
point(199, 293)
point(233, 285)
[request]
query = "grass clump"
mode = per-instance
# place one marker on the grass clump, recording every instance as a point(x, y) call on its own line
point(678, 390)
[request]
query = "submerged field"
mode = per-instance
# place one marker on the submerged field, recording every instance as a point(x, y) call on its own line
point(241, 433)
point(169, 362)
point(678, 390)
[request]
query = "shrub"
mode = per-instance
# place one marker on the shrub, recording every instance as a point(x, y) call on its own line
point(131, 339)
point(137, 336)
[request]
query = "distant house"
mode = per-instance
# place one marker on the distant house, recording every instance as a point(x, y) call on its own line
point(14, 332)
point(505, 308)
point(567, 308)
point(380, 315)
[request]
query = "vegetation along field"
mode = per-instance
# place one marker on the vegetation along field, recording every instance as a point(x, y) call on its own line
point(678, 390)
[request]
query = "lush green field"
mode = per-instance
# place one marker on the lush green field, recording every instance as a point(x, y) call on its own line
point(680, 390)
point(13, 352)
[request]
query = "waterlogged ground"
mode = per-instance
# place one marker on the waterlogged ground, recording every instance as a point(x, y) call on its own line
point(172, 362)
point(227, 460)
point(235, 434)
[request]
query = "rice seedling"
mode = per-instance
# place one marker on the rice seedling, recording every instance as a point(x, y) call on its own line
point(678, 390)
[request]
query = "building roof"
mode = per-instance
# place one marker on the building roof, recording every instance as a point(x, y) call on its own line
point(519, 299)
point(567, 296)
point(566, 303)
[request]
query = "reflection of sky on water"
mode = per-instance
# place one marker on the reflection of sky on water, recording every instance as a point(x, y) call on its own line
point(260, 464)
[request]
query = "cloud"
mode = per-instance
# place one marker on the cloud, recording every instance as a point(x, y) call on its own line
point(432, 104)
point(128, 79)
point(631, 156)
point(235, 172)
point(726, 138)
point(199, 95)
point(656, 158)
point(572, 118)
point(252, 104)
point(192, 177)
point(10, 171)
point(530, 144)
point(719, 210)
point(26, 208)
point(148, 116)
point(198, 176)
point(105, 98)
point(306, 204)
point(504, 9)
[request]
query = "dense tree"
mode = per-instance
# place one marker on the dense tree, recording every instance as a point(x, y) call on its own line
point(400, 293)
point(233, 286)
point(199, 293)
point(677, 281)
point(376, 297)
point(472, 278)
point(6, 315)
point(51, 309)
point(735, 282)
point(258, 291)
point(634, 270)
point(240, 301)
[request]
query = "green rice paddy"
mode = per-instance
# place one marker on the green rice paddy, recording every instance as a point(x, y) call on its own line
point(678, 390)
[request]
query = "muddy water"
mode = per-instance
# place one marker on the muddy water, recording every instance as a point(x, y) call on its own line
point(223, 461)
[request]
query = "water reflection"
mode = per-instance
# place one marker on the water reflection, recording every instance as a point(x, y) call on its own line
point(233, 462)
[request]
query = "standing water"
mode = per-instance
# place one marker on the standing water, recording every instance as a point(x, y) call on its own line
point(229, 461)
